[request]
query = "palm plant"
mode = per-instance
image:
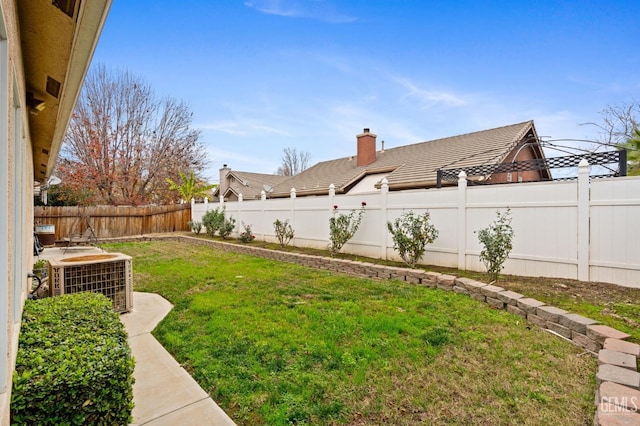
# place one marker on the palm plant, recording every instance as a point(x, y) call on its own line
point(190, 187)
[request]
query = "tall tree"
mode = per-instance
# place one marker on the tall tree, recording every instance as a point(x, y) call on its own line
point(293, 162)
point(123, 141)
point(618, 122)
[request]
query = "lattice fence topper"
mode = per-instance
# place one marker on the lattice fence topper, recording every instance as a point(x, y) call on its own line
point(617, 157)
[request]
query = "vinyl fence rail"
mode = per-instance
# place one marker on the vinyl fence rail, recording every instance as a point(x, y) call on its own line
point(584, 229)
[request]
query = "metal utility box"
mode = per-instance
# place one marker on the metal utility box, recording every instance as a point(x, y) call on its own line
point(108, 273)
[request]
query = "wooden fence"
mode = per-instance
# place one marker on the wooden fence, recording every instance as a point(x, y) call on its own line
point(114, 221)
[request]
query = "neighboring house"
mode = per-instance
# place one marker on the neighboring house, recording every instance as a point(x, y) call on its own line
point(250, 185)
point(416, 166)
point(45, 51)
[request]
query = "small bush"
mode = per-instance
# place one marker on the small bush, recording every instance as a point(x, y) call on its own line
point(74, 364)
point(246, 236)
point(195, 226)
point(411, 233)
point(213, 220)
point(284, 232)
point(41, 264)
point(227, 227)
point(342, 227)
point(497, 241)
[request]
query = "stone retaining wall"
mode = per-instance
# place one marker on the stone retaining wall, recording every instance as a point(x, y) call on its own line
point(618, 395)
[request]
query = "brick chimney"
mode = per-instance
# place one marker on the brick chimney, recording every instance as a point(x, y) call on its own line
point(366, 148)
point(224, 183)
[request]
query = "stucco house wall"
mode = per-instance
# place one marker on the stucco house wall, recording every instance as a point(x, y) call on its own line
point(16, 208)
point(30, 137)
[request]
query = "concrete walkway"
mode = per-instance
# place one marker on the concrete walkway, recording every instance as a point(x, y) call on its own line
point(163, 392)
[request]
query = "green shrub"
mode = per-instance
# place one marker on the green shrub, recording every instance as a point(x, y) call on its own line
point(246, 236)
point(41, 264)
point(195, 226)
point(497, 242)
point(227, 227)
point(284, 232)
point(74, 364)
point(342, 227)
point(213, 220)
point(411, 233)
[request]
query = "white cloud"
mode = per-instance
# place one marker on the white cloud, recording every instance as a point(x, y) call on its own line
point(319, 10)
point(273, 7)
point(241, 128)
point(429, 97)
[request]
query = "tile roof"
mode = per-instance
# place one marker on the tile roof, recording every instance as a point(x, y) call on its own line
point(411, 166)
point(250, 185)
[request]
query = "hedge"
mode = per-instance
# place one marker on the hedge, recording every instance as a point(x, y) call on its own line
point(74, 364)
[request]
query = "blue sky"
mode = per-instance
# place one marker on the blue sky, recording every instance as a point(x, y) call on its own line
point(264, 75)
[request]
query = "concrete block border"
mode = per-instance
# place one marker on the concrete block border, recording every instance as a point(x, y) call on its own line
point(617, 399)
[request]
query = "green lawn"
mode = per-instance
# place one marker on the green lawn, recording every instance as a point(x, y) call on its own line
point(276, 343)
point(609, 304)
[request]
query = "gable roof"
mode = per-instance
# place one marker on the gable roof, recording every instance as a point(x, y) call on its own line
point(250, 185)
point(413, 166)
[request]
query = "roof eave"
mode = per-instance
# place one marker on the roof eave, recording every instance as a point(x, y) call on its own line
point(68, 65)
point(305, 192)
point(425, 184)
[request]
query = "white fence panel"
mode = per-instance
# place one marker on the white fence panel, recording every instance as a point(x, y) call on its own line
point(544, 219)
point(575, 229)
point(615, 234)
point(277, 209)
point(442, 206)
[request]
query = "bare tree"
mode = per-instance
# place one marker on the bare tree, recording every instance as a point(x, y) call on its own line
point(123, 142)
point(618, 123)
point(293, 162)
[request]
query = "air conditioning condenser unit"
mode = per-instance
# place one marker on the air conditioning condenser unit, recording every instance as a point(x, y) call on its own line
point(108, 273)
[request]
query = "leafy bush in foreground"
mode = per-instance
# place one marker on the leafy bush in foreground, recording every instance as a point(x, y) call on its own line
point(497, 240)
point(342, 227)
point(284, 232)
point(74, 364)
point(195, 226)
point(411, 233)
point(213, 220)
point(247, 235)
point(227, 227)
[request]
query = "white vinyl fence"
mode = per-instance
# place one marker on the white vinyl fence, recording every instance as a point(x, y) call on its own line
point(582, 229)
